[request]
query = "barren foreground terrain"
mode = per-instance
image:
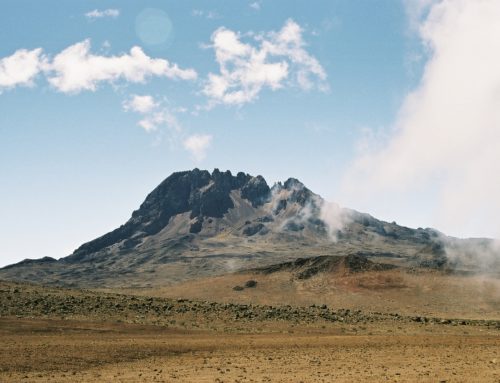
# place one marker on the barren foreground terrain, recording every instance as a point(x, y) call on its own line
point(424, 292)
point(64, 335)
point(69, 351)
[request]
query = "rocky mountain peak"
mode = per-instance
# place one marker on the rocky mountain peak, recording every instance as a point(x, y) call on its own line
point(202, 193)
point(293, 184)
point(197, 191)
point(292, 191)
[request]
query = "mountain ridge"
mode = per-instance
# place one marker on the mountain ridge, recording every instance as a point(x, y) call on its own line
point(197, 223)
point(180, 193)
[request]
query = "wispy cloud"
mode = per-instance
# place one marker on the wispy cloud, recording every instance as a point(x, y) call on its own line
point(155, 114)
point(76, 69)
point(197, 145)
point(275, 60)
point(164, 117)
point(255, 5)
point(446, 140)
point(99, 14)
point(210, 15)
point(21, 68)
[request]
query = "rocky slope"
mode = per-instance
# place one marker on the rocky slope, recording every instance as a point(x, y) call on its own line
point(305, 268)
point(197, 223)
point(28, 301)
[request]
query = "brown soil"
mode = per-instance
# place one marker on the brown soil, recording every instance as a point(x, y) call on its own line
point(35, 350)
point(422, 292)
point(63, 335)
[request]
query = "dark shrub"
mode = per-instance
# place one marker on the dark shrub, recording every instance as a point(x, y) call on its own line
point(250, 283)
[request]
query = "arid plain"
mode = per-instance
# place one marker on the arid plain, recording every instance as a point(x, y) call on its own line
point(73, 335)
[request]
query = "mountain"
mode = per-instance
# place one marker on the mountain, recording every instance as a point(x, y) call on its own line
point(197, 223)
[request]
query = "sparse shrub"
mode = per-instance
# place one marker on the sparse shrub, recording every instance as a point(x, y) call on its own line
point(251, 284)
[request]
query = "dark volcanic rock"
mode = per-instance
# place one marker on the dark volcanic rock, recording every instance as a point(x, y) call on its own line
point(252, 230)
point(305, 268)
point(294, 226)
point(256, 191)
point(197, 191)
point(281, 205)
point(196, 226)
point(266, 218)
point(395, 232)
point(215, 200)
point(41, 261)
point(300, 193)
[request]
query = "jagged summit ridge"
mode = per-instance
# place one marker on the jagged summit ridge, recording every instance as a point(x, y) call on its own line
point(199, 203)
point(205, 196)
point(202, 194)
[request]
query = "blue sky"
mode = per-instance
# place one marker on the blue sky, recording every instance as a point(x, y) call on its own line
point(80, 148)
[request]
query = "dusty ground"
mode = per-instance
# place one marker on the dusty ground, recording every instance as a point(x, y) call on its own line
point(72, 351)
point(63, 335)
point(426, 292)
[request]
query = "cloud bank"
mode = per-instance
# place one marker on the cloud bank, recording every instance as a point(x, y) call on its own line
point(76, 69)
point(446, 139)
point(271, 60)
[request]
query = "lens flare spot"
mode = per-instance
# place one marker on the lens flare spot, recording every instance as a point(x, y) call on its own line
point(154, 27)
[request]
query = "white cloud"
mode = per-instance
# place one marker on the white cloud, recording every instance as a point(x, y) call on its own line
point(446, 140)
point(158, 117)
point(197, 145)
point(98, 14)
point(276, 60)
point(21, 68)
point(140, 104)
point(165, 117)
point(154, 113)
point(76, 69)
point(255, 5)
